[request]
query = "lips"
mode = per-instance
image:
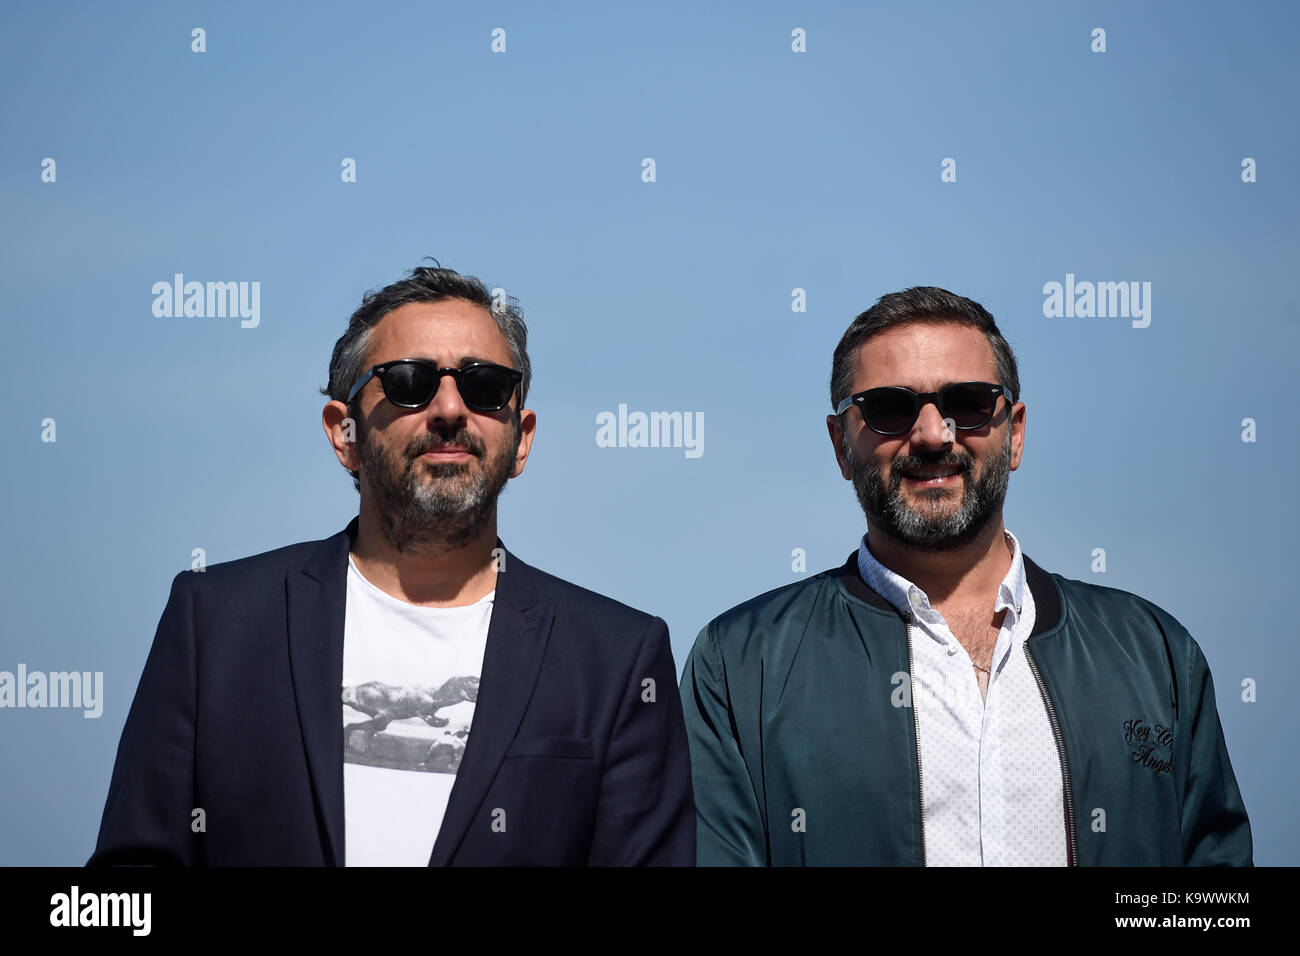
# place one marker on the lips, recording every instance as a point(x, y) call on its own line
point(447, 451)
point(936, 471)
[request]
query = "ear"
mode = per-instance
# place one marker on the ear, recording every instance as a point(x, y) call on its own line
point(527, 429)
point(836, 430)
point(341, 430)
point(1019, 416)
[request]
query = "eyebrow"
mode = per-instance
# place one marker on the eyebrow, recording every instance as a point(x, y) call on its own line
point(922, 391)
point(463, 361)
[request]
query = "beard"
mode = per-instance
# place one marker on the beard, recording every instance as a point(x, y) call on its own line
point(427, 508)
point(934, 524)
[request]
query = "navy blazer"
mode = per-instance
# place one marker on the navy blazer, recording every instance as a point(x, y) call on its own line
point(574, 757)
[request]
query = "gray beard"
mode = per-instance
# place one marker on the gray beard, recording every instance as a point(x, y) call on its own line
point(426, 509)
point(932, 529)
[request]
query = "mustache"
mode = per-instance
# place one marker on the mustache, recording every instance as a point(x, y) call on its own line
point(461, 437)
point(948, 458)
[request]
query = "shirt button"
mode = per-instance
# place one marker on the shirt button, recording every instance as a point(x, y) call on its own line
point(952, 649)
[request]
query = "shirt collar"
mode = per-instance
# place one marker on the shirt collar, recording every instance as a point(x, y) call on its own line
point(911, 600)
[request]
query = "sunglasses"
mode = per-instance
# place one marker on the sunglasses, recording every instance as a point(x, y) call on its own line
point(893, 410)
point(412, 383)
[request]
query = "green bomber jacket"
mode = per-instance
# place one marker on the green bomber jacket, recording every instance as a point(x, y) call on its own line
point(804, 748)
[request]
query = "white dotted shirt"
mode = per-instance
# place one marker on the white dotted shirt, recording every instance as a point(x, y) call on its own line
point(990, 771)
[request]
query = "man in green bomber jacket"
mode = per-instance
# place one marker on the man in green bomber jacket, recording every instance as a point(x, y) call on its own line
point(940, 699)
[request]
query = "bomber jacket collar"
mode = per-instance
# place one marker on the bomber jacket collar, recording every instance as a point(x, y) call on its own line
point(1047, 598)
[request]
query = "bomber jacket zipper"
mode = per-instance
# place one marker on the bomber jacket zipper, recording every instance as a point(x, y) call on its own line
point(1060, 749)
point(916, 727)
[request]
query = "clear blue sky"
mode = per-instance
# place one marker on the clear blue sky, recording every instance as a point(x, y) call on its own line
point(775, 170)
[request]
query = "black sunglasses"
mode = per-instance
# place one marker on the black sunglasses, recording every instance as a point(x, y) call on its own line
point(412, 383)
point(892, 410)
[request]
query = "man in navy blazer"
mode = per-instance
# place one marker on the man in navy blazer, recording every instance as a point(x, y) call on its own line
point(407, 691)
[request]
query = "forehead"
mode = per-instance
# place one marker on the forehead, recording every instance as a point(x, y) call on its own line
point(447, 332)
point(924, 356)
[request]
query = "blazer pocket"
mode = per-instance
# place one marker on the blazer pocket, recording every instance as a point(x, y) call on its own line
point(573, 747)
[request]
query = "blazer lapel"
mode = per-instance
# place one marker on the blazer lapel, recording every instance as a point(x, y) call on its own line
point(516, 641)
point(317, 598)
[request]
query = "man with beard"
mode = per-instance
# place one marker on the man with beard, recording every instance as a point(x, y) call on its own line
point(940, 699)
point(407, 692)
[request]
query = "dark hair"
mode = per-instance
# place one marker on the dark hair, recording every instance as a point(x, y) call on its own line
point(920, 304)
point(424, 284)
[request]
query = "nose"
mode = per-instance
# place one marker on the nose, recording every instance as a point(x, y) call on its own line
point(446, 404)
point(929, 429)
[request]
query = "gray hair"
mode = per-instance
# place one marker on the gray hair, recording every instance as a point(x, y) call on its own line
point(920, 304)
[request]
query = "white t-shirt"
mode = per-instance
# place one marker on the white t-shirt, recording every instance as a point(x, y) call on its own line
point(410, 680)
